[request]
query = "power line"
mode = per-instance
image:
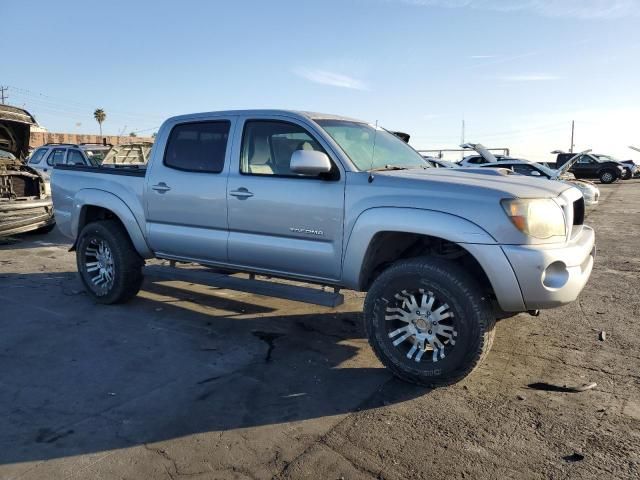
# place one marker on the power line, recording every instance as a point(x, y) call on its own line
point(3, 97)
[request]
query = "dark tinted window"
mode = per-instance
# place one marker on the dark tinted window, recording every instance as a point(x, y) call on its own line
point(37, 155)
point(56, 157)
point(267, 147)
point(198, 147)
point(587, 159)
point(476, 160)
point(522, 169)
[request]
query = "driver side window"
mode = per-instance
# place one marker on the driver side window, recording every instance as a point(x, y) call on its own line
point(267, 147)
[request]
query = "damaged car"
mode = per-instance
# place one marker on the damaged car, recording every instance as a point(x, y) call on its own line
point(24, 203)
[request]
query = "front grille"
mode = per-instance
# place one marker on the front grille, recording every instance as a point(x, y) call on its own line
point(578, 211)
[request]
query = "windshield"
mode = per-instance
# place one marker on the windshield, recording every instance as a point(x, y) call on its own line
point(357, 141)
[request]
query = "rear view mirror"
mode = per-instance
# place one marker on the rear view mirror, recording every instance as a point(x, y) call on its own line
point(310, 162)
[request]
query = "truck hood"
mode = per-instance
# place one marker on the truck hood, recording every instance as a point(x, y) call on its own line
point(15, 129)
point(499, 183)
point(473, 195)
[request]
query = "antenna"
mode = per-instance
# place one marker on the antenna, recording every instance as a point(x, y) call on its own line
point(373, 152)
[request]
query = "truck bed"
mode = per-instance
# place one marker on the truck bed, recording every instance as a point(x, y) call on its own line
point(78, 185)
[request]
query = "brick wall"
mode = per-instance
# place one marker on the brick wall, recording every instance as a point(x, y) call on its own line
point(40, 138)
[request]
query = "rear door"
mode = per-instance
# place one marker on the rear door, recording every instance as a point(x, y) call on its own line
point(57, 156)
point(186, 191)
point(280, 221)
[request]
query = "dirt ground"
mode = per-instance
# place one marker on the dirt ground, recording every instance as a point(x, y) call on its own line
point(201, 382)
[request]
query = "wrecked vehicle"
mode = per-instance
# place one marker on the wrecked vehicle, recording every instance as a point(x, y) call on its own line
point(24, 203)
point(334, 201)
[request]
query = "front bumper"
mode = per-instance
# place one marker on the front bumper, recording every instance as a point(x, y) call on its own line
point(550, 276)
point(24, 216)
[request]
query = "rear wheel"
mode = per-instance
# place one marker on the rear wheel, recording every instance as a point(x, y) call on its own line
point(428, 322)
point(607, 176)
point(109, 265)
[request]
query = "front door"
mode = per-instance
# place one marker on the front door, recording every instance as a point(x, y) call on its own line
point(585, 166)
point(280, 221)
point(186, 192)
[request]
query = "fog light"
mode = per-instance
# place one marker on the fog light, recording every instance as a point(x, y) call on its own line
point(555, 275)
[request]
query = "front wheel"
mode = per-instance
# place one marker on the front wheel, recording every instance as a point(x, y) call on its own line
point(428, 322)
point(607, 177)
point(108, 264)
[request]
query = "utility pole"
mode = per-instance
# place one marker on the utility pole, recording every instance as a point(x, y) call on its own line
point(573, 124)
point(3, 97)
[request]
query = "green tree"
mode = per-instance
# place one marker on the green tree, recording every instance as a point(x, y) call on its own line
point(100, 117)
point(133, 134)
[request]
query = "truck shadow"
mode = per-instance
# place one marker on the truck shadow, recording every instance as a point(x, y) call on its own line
point(80, 378)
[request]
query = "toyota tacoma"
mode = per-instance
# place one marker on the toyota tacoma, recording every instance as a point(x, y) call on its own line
point(335, 201)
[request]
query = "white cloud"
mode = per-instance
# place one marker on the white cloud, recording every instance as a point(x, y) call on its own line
point(527, 78)
point(584, 9)
point(325, 77)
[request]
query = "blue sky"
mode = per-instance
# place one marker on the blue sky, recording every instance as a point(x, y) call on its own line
point(517, 71)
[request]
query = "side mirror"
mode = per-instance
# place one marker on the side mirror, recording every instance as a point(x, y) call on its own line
point(309, 162)
point(535, 173)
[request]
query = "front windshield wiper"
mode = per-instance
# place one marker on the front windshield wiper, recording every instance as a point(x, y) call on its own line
point(396, 167)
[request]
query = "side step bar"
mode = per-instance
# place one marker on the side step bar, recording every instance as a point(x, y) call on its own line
point(250, 285)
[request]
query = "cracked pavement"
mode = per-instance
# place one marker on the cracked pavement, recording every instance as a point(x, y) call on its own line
point(195, 381)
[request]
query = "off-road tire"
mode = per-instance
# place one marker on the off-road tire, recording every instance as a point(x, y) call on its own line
point(608, 176)
point(474, 316)
point(127, 278)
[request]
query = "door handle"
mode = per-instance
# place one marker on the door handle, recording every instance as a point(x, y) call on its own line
point(241, 193)
point(161, 187)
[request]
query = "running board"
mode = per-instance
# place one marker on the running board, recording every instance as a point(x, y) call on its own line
point(248, 285)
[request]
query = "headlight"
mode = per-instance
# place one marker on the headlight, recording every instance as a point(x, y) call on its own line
point(536, 217)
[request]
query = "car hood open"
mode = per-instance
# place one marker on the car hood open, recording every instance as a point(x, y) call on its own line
point(15, 128)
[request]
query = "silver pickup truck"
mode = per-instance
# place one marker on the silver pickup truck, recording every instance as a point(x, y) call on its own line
point(335, 201)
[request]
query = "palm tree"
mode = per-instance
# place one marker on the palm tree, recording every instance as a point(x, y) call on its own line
point(100, 117)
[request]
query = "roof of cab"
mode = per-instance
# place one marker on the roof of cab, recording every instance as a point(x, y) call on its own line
point(274, 112)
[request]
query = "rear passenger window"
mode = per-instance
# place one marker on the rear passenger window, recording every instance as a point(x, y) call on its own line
point(37, 155)
point(198, 147)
